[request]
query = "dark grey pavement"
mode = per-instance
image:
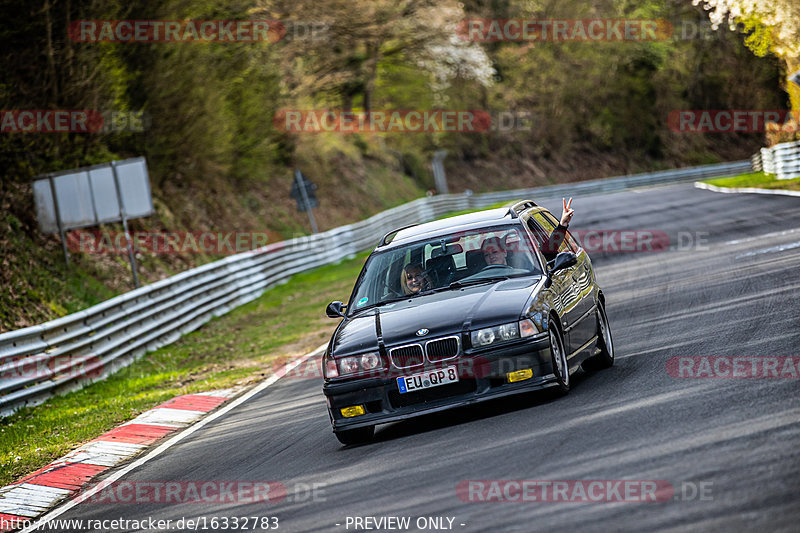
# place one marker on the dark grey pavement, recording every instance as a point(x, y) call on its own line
point(736, 293)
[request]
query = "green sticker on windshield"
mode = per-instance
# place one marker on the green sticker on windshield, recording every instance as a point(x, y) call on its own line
point(362, 301)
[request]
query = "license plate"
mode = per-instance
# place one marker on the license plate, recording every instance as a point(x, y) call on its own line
point(427, 379)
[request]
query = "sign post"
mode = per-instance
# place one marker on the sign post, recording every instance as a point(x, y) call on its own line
point(303, 192)
point(128, 243)
point(439, 177)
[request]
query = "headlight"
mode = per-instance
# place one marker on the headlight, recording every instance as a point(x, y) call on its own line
point(370, 361)
point(508, 332)
point(348, 365)
point(482, 337)
point(359, 363)
point(503, 333)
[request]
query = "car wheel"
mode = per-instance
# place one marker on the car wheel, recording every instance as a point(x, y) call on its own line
point(355, 436)
point(605, 358)
point(559, 360)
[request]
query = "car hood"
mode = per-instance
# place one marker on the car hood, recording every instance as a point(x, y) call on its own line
point(442, 313)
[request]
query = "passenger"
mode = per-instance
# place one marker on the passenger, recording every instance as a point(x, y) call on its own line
point(413, 279)
point(495, 252)
point(551, 247)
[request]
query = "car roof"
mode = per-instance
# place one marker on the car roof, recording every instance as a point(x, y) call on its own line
point(501, 216)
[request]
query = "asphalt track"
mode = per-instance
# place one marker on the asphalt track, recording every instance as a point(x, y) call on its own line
point(729, 285)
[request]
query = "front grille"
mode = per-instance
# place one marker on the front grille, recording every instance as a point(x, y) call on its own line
point(407, 356)
point(442, 349)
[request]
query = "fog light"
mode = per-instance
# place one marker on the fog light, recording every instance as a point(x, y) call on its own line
point(520, 375)
point(353, 410)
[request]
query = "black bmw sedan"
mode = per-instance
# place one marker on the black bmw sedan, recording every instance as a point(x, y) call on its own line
point(462, 310)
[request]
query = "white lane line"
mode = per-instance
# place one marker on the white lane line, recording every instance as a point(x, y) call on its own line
point(779, 248)
point(764, 236)
point(173, 441)
point(750, 190)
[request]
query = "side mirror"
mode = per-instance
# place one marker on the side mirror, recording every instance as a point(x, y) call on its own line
point(562, 261)
point(335, 309)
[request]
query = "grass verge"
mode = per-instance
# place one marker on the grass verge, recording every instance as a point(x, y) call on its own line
point(757, 180)
point(236, 349)
point(239, 348)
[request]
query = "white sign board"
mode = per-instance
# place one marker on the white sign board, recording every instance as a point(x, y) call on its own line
point(88, 196)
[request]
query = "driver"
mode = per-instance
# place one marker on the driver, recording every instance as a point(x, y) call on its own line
point(413, 279)
point(494, 251)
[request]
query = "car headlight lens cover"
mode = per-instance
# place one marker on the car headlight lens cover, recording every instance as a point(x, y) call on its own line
point(482, 337)
point(348, 365)
point(359, 363)
point(370, 361)
point(508, 331)
point(503, 333)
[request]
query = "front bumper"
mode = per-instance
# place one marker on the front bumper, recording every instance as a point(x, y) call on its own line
point(482, 376)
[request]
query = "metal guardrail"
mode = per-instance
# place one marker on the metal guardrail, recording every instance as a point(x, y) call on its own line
point(756, 162)
point(783, 160)
point(66, 353)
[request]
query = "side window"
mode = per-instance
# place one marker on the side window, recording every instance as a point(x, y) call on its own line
point(549, 223)
point(538, 234)
point(569, 238)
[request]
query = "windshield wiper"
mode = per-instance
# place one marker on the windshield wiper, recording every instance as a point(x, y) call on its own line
point(460, 284)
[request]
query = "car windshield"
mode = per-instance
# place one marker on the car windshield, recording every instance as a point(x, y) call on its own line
point(444, 263)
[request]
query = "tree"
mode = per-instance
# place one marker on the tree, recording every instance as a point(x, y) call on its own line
point(344, 62)
point(772, 26)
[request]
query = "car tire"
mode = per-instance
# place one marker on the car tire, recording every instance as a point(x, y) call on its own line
point(605, 344)
point(558, 358)
point(355, 436)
